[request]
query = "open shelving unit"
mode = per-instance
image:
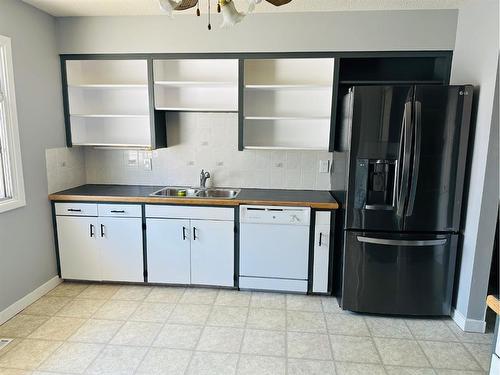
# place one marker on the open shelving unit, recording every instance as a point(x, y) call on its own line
point(196, 85)
point(108, 102)
point(287, 103)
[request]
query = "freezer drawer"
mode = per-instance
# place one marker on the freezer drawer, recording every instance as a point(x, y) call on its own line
point(410, 274)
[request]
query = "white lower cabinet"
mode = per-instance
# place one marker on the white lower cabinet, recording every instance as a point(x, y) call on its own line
point(190, 245)
point(78, 247)
point(321, 255)
point(169, 251)
point(99, 248)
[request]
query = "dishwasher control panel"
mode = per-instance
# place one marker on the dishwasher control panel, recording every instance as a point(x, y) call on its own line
point(275, 215)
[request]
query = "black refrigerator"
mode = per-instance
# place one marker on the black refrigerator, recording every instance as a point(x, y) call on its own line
point(407, 150)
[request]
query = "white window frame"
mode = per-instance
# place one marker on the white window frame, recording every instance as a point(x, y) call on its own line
point(10, 132)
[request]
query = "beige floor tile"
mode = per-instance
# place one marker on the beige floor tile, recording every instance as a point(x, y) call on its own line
point(308, 345)
point(117, 360)
point(12, 371)
point(96, 331)
point(190, 314)
point(71, 358)
point(401, 352)
point(57, 328)
point(347, 368)
point(99, 291)
point(395, 370)
point(81, 308)
point(213, 364)
point(253, 365)
point(29, 354)
point(267, 319)
point(310, 367)
point(458, 372)
point(303, 321)
point(199, 296)
point(430, 329)
point(221, 339)
point(388, 327)
point(132, 293)
point(263, 342)
point(116, 310)
point(303, 303)
point(347, 324)
point(478, 338)
point(267, 300)
point(47, 306)
point(228, 316)
point(233, 298)
point(331, 305)
point(137, 334)
point(354, 349)
point(178, 336)
point(482, 354)
point(152, 312)
point(165, 294)
point(165, 362)
point(68, 289)
point(22, 325)
point(448, 355)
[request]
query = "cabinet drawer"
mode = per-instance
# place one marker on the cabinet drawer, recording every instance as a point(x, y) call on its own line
point(188, 212)
point(76, 209)
point(116, 210)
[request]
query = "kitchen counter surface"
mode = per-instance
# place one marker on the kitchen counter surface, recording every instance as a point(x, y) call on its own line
point(493, 303)
point(140, 194)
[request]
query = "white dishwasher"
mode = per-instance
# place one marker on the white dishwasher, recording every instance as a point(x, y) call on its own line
point(274, 248)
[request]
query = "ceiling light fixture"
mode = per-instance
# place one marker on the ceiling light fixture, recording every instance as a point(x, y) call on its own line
point(230, 15)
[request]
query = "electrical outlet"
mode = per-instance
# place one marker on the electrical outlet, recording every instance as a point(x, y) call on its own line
point(324, 166)
point(148, 165)
point(132, 159)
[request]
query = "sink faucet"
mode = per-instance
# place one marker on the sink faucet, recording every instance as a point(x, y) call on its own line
point(204, 176)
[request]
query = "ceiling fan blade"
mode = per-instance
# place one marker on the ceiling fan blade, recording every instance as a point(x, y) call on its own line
point(278, 2)
point(186, 4)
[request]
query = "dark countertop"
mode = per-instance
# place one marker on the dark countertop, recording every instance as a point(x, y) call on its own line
point(140, 194)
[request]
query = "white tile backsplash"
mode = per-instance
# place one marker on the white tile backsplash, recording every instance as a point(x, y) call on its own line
point(65, 168)
point(196, 141)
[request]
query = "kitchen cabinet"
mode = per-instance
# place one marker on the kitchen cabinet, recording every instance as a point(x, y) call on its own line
point(321, 252)
point(100, 242)
point(190, 245)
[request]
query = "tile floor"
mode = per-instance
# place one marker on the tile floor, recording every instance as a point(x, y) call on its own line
point(112, 329)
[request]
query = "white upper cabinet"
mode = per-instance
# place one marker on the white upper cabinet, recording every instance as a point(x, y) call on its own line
point(108, 103)
point(287, 103)
point(201, 85)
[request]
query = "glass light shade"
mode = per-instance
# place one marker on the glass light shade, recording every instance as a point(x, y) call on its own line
point(230, 16)
point(168, 6)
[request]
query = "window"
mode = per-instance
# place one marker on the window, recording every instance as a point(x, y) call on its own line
point(11, 177)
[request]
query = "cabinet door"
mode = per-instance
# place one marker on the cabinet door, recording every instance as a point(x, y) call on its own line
point(321, 258)
point(120, 245)
point(78, 248)
point(169, 251)
point(212, 252)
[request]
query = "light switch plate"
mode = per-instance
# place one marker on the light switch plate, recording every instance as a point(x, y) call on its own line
point(148, 165)
point(324, 166)
point(132, 159)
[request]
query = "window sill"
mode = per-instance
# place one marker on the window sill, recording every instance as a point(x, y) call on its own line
point(11, 204)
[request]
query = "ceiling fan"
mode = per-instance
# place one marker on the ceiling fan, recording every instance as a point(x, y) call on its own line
point(230, 15)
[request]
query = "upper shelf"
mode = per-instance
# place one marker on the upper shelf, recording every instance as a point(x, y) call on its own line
point(290, 86)
point(109, 86)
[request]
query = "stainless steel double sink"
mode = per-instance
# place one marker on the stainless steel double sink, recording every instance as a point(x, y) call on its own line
point(188, 192)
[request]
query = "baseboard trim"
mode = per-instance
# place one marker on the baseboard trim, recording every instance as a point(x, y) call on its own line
point(28, 299)
point(468, 325)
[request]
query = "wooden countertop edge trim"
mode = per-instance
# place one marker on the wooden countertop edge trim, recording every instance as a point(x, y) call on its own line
point(493, 303)
point(187, 201)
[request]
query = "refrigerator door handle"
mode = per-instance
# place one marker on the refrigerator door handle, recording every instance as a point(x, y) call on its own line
point(403, 174)
point(385, 241)
point(416, 157)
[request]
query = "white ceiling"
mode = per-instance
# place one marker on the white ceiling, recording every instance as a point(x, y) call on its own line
point(66, 8)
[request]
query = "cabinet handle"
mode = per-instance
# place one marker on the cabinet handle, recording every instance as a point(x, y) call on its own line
point(74, 210)
point(184, 233)
point(102, 230)
point(117, 211)
point(91, 230)
point(194, 234)
point(320, 235)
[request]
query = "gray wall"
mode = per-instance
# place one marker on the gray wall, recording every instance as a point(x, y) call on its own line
point(476, 62)
point(26, 245)
point(330, 31)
